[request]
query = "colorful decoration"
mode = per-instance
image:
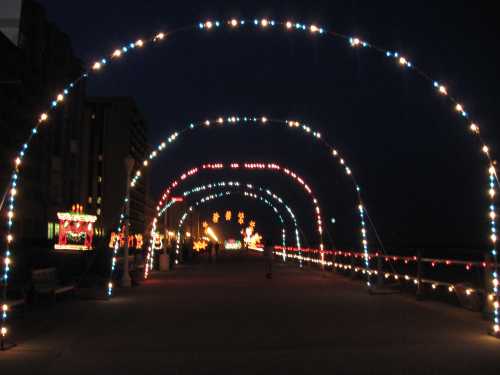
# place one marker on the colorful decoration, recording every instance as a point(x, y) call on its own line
point(264, 23)
point(232, 244)
point(241, 218)
point(76, 230)
point(135, 241)
point(215, 217)
point(228, 215)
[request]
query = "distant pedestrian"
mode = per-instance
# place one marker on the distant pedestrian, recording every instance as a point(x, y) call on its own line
point(268, 255)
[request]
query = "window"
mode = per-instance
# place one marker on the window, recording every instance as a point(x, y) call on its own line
point(50, 231)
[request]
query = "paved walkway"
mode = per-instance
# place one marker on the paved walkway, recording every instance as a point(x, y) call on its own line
point(228, 319)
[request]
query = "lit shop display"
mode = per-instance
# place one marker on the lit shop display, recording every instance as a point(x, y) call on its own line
point(76, 231)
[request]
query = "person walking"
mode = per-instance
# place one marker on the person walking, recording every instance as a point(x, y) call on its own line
point(268, 255)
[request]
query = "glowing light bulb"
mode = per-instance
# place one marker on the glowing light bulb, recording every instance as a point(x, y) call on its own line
point(459, 108)
point(493, 215)
point(60, 97)
point(314, 28)
point(468, 292)
point(474, 128)
point(450, 288)
point(160, 36)
point(208, 24)
point(110, 285)
point(117, 53)
point(264, 22)
point(234, 23)
point(485, 149)
point(5, 307)
point(443, 90)
point(96, 66)
point(43, 117)
point(13, 191)
point(403, 61)
point(139, 43)
point(3, 331)
point(496, 328)
point(264, 120)
point(10, 214)
point(491, 192)
point(289, 25)
point(433, 286)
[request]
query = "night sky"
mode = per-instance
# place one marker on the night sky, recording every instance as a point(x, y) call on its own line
point(421, 172)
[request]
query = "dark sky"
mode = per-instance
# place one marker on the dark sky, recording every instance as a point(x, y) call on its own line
point(423, 177)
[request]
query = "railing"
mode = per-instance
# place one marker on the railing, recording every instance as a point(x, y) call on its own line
point(424, 274)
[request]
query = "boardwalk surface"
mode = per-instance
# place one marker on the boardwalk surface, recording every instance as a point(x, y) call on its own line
point(228, 319)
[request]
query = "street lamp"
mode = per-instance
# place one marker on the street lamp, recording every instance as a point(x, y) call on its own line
point(126, 281)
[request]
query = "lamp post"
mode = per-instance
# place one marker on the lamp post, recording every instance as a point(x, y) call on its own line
point(126, 281)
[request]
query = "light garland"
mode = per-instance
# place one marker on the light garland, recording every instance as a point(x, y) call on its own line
point(287, 26)
point(239, 185)
point(211, 197)
point(273, 167)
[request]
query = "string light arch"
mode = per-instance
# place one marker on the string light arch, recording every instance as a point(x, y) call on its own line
point(249, 188)
point(228, 193)
point(288, 26)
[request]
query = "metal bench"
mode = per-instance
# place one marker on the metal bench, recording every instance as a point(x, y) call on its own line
point(45, 282)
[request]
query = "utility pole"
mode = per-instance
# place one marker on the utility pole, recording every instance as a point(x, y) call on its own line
point(126, 281)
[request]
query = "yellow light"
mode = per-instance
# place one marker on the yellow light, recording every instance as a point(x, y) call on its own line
point(402, 61)
point(289, 25)
point(485, 149)
point(96, 66)
point(139, 43)
point(43, 117)
point(494, 237)
point(492, 170)
point(10, 214)
point(433, 286)
point(17, 161)
point(496, 328)
point(234, 23)
point(117, 53)
point(7, 261)
point(208, 24)
point(491, 297)
point(496, 304)
point(450, 288)
point(491, 192)
point(211, 233)
point(474, 128)
point(110, 285)
point(3, 331)
point(459, 108)
point(264, 22)
point(13, 191)
point(443, 90)
point(160, 36)
point(60, 97)
point(314, 28)
point(188, 234)
point(493, 215)
point(5, 307)
point(264, 120)
point(145, 163)
point(468, 292)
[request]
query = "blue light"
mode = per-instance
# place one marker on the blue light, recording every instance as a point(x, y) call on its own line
point(242, 22)
point(125, 49)
point(65, 92)
point(54, 104)
point(34, 130)
point(131, 45)
point(388, 54)
point(200, 25)
point(71, 85)
point(217, 23)
point(436, 84)
point(104, 61)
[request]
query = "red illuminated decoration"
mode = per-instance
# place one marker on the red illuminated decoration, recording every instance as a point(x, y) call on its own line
point(135, 241)
point(76, 230)
point(177, 199)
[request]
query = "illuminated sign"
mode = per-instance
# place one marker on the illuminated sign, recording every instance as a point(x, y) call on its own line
point(135, 241)
point(76, 231)
point(232, 244)
point(177, 199)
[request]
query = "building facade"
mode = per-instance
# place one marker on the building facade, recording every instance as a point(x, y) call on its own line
point(113, 129)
